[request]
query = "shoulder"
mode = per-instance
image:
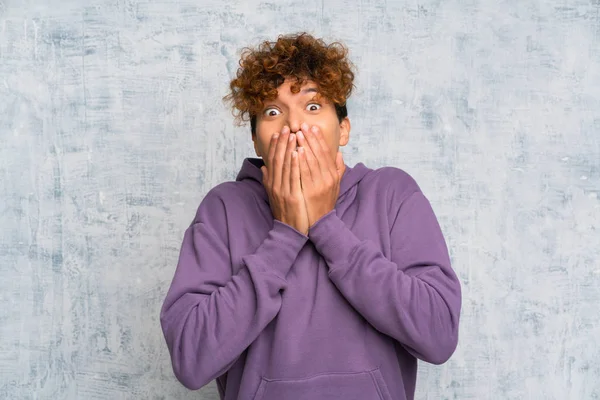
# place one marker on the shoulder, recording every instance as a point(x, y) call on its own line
point(215, 203)
point(395, 182)
point(398, 190)
point(227, 191)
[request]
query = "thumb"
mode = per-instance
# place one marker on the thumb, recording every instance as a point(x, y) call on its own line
point(339, 163)
point(263, 169)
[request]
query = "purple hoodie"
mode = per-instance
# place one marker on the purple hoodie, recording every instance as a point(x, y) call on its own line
point(341, 314)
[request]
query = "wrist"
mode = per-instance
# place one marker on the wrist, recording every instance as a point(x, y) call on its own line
point(318, 216)
point(295, 226)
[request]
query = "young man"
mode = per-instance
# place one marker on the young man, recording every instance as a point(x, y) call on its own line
point(305, 278)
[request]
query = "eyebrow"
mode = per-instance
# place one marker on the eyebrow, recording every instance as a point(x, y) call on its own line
point(310, 90)
point(303, 91)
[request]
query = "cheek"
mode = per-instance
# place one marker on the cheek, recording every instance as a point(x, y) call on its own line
point(263, 147)
point(331, 135)
point(263, 141)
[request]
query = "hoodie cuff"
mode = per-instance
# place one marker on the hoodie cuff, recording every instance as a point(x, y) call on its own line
point(332, 239)
point(279, 250)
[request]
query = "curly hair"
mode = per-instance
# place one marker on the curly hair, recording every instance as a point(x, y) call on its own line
point(300, 57)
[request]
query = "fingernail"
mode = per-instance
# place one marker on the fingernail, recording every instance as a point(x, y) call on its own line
point(304, 126)
point(300, 149)
point(292, 137)
point(275, 136)
point(314, 129)
point(300, 135)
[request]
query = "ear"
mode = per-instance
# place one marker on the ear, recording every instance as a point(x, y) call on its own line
point(345, 131)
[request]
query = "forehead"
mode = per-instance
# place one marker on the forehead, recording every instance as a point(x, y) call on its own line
point(285, 89)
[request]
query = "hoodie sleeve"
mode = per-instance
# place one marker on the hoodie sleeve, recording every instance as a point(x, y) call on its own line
point(210, 316)
point(413, 297)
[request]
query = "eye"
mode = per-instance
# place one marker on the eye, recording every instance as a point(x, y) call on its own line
point(271, 112)
point(313, 107)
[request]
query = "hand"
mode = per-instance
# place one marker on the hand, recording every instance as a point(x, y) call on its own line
point(281, 178)
point(320, 175)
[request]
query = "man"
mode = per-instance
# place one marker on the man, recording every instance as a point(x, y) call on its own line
point(305, 278)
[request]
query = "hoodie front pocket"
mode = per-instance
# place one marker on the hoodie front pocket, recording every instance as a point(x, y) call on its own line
point(368, 385)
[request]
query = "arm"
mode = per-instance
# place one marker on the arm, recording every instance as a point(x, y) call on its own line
point(414, 296)
point(210, 316)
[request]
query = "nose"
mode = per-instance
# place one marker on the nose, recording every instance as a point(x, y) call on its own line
point(294, 122)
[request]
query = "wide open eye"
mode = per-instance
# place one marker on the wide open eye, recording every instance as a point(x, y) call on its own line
point(271, 112)
point(313, 107)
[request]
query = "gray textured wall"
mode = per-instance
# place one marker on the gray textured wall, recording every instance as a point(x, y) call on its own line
point(112, 130)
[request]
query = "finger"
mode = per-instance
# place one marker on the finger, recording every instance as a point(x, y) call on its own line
point(321, 151)
point(300, 137)
point(278, 157)
point(309, 154)
point(287, 164)
point(265, 175)
point(272, 147)
point(305, 175)
point(302, 148)
point(295, 185)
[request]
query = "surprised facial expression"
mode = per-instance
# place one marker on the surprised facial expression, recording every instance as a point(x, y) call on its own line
point(292, 110)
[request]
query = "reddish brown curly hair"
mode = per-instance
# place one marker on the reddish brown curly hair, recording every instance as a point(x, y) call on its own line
point(298, 56)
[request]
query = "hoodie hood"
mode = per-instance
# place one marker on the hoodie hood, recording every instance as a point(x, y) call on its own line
point(251, 173)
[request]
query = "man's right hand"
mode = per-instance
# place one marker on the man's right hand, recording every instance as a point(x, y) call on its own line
point(281, 178)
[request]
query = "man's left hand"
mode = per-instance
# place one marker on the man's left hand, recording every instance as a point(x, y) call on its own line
point(320, 174)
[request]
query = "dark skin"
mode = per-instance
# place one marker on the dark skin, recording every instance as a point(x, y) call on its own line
point(283, 184)
point(303, 180)
point(299, 135)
